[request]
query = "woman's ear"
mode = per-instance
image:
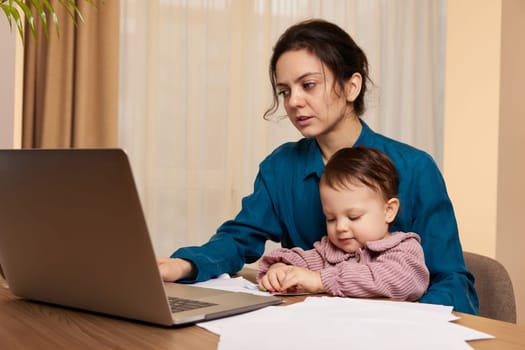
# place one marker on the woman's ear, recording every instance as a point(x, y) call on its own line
point(391, 209)
point(353, 87)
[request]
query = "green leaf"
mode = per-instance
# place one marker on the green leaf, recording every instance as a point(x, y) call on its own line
point(68, 6)
point(53, 14)
point(40, 11)
point(7, 12)
point(29, 17)
point(43, 8)
point(12, 14)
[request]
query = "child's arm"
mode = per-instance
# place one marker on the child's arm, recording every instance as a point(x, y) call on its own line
point(274, 267)
point(397, 273)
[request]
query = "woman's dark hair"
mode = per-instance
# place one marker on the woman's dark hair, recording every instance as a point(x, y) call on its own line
point(365, 165)
point(334, 47)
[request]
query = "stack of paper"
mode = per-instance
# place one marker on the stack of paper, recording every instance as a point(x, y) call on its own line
point(330, 322)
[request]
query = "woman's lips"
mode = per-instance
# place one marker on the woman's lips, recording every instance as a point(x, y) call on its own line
point(303, 120)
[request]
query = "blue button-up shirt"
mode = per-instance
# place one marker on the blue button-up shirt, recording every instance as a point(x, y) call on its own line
point(285, 207)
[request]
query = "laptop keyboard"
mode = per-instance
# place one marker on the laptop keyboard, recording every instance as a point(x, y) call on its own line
point(180, 304)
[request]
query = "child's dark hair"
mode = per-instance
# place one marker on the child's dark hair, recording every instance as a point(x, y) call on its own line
point(334, 47)
point(365, 165)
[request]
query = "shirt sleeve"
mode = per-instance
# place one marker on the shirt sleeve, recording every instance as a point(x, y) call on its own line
point(238, 241)
point(398, 273)
point(450, 281)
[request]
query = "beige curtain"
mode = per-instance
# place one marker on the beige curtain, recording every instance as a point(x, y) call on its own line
point(71, 81)
point(194, 85)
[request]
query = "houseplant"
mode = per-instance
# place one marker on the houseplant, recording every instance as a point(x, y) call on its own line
point(44, 14)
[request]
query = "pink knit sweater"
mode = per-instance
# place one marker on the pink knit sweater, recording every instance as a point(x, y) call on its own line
point(393, 267)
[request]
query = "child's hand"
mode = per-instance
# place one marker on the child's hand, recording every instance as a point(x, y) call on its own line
point(302, 279)
point(271, 281)
point(281, 278)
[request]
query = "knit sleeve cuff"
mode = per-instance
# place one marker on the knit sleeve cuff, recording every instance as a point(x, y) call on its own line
point(329, 280)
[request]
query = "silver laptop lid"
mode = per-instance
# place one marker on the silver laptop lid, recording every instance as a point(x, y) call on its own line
point(57, 207)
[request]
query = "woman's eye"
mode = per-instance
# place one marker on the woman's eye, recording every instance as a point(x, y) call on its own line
point(283, 93)
point(308, 85)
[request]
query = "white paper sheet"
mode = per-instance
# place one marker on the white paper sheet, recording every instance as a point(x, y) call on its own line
point(236, 284)
point(325, 322)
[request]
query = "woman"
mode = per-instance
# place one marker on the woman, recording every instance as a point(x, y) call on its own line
point(321, 75)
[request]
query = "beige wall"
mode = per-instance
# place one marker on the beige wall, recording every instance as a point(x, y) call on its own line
point(7, 79)
point(510, 238)
point(11, 84)
point(484, 131)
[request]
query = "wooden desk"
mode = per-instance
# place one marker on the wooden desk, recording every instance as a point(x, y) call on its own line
point(30, 325)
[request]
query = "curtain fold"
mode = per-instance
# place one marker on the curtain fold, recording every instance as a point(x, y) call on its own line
point(70, 97)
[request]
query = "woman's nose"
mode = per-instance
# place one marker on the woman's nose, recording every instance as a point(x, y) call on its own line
point(296, 98)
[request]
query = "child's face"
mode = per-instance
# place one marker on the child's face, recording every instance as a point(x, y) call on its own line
point(355, 215)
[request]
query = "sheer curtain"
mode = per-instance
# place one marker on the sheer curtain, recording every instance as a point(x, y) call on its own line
point(194, 85)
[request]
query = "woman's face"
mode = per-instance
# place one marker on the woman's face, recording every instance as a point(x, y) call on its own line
point(307, 89)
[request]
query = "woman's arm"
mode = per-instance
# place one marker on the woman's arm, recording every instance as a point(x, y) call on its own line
point(236, 241)
point(434, 220)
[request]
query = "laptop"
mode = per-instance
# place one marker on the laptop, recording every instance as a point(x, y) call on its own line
point(73, 233)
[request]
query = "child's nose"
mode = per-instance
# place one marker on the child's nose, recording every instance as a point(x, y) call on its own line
point(342, 225)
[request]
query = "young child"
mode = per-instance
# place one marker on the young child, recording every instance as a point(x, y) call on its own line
point(359, 257)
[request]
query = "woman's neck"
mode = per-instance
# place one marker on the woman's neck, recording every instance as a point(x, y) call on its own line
point(345, 135)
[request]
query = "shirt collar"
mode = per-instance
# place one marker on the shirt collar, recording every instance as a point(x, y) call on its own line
point(365, 135)
point(314, 165)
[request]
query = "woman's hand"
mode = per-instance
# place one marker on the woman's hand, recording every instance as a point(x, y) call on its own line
point(173, 269)
point(282, 278)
